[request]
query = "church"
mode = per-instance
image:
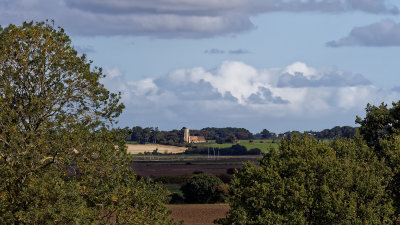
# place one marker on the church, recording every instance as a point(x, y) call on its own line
point(193, 139)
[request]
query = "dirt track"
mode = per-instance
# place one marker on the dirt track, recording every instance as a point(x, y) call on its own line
point(137, 148)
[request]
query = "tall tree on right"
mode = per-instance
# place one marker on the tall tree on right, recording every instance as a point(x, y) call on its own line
point(381, 130)
point(380, 123)
point(309, 182)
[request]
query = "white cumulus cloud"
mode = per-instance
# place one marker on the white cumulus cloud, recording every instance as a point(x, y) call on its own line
point(238, 94)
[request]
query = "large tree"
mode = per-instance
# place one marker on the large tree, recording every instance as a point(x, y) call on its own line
point(309, 182)
point(60, 160)
point(380, 122)
point(381, 130)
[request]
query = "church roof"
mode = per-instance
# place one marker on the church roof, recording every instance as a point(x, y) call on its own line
point(197, 138)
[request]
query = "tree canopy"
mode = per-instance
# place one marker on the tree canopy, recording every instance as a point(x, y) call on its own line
point(61, 161)
point(381, 130)
point(346, 181)
point(380, 122)
point(309, 182)
point(202, 188)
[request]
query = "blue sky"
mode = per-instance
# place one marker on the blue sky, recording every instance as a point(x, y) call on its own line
point(275, 64)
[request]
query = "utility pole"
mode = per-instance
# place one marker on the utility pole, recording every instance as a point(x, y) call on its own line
point(214, 152)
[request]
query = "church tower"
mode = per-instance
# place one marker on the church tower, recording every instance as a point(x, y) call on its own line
point(186, 137)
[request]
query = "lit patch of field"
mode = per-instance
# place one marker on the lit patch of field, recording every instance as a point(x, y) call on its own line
point(164, 149)
point(263, 145)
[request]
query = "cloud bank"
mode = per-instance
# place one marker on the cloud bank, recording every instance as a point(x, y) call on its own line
point(170, 18)
point(220, 51)
point(383, 33)
point(236, 94)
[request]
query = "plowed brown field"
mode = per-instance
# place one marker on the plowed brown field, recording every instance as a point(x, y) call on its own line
point(164, 169)
point(203, 214)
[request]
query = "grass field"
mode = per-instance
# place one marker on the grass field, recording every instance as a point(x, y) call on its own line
point(264, 145)
point(174, 188)
point(202, 214)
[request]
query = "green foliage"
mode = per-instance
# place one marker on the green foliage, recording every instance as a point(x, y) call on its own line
point(266, 134)
point(202, 188)
point(60, 162)
point(335, 132)
point(380, 129)
point(153, 135)
point(172, 179)
point(380, 122)
point(391, 150)
point(211, 133)
point(308, 182)
point(230, 139)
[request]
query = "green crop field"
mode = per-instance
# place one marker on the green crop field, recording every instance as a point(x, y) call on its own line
point(174, 188)
point(264, 145)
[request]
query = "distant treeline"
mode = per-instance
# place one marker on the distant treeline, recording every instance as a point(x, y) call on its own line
point(154, 135)
point(175, 137)
point(344, 132)
point(228, 134)
point(213, 133)
point(236, 149)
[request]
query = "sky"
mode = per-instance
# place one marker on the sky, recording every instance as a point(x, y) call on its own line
point(259, 64)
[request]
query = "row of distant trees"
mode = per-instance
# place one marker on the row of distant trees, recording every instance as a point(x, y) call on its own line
point(337, 131)
point(229, 134)
point(154, 135)
point(175, 137)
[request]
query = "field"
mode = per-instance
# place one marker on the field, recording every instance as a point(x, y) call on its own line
point(263, 145)
point(140, 149)
point(203, 214)
point(173, 169)
point(164, 166)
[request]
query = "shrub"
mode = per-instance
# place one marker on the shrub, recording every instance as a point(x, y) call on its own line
point(172, 179)
point(202, 188)
point(226, 178)
point(230, 171)
point(176, 199)
point(223, 190)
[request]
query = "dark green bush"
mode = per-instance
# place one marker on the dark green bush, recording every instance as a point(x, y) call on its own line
point(172, 179)
point(202, 188)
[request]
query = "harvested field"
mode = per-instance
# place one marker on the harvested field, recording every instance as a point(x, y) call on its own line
point(203, 214)
point(165, 168)
point(137, 148)
point(179, 169)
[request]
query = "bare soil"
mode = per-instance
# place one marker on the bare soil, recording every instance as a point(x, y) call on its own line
point(162, 168)
point(203, 214)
